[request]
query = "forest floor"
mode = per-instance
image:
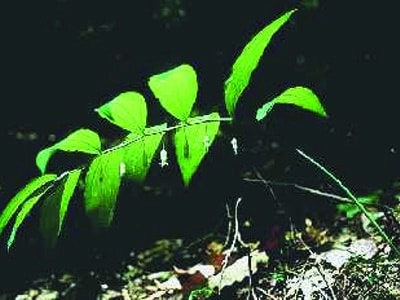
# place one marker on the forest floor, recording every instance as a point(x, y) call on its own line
point(346, 259)
point(305, 250)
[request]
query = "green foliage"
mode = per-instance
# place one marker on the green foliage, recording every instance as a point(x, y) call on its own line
point(101, 187)
point(248, 60)
point(176, 89)
point(34, 188)
point(55, 206)
point(128, 111)
point(299, 96)
point(21, 216)
point(201, 293)
point(140, 151)
point(192, 137)
point(82, 140)
point(192, 143)
point(351, 209)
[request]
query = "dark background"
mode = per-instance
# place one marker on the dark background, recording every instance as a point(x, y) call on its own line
point(61, 59)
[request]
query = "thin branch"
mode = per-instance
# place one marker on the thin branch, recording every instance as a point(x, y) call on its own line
point(314, 191)
point(229, 229)
point(324, 194)
point(237, 238)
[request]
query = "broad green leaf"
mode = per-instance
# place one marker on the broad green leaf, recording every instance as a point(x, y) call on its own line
point(32, 188)
point(101, 187)
point(299, 96)
point(21, 216)
point(192, 143)
point(128, 111)
point(176, 89)
point(81, 140)
point(302, 97)
point(139, 155)
point(55, 206)
point(248, 61)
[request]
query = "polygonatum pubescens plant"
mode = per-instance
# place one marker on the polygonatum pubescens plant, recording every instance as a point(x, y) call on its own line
point(192, 136)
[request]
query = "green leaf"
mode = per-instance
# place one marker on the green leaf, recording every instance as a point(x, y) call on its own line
point(264, 110)
point(55, 206)
point(69, 189)
point(128, 111)
point(248, 61)
point(192, 143)
point(33, 187)
point(351, 209)
point(299, 96)
point(101, 187)
point(139, 155)
point(176, 89)
point(81, 140)
point(21, 216)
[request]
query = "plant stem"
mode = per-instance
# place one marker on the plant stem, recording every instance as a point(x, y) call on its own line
point(179, 125)
point(354, 198)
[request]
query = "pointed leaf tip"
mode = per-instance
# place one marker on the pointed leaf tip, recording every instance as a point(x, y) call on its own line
point(27, 192)
point(192, 143)
point(55, 206)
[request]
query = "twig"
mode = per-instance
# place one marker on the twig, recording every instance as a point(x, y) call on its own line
point(266, 294)
point(324, 194)
point(237, 239)
point(314, 191)
point(229, 230)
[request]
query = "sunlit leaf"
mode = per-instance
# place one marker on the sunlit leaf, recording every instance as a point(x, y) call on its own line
point(264, 110)
point(302, 97)
point(69, 189)
point(176, 89)
point(192, 143)
point(298, 96)
point(81, 140)
point(139, 155)
point(55, 206)
point(101, 188)
point(32, 188)
point(49, 215)
point(21, 216)
point(248, 61)
point(128, 111)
